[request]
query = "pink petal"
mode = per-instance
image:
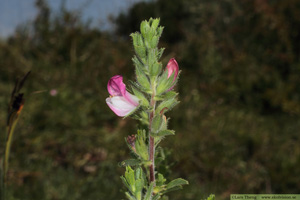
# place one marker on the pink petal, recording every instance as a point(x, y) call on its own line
point(172, 66)
point(131, 98)
point(120, 106)
point(115, 86)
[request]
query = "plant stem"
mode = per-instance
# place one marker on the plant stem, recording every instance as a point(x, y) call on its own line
point(8, 141)
point(151, 141)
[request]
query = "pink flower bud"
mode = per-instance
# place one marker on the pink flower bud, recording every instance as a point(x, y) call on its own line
point(172, 66)
point(120, 101)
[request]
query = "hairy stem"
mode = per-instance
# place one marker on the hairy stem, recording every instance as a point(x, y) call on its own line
point(151, 141)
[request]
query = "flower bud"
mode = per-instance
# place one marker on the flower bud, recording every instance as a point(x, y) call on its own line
point(172, 66)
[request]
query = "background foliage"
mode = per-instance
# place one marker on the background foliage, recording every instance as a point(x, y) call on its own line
point(237, 124)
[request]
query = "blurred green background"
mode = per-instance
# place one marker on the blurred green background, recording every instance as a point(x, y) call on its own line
point(237, 126)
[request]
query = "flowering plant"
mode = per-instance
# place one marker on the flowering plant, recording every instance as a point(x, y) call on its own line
point(152, 97)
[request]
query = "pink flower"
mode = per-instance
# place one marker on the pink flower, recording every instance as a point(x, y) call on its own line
point(120, 101)
point(172, 66)
point(53, 92)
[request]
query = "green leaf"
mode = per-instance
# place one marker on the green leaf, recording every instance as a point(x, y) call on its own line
point(160, 180)
point(130, 178)
point(143, 100)
point(166, 96)
point(165, 133)
point(125, 182)
point(211, 197)
point(164, 83)
point(160, 53)
point(154, 42)
point(172, 189)
point(166, 106)
point(130, 162)
point(129, 197)
point(141, 77)
point(155, 23)
point(154, 66)
point(139, 184)
point(140, 145)
point(156, 124)
point(140, 51)
point(156, 197)
point(149, 192)
point(177, 182)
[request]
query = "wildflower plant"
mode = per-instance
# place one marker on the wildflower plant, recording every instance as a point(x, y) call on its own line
point(14, 110)
point(151, 98)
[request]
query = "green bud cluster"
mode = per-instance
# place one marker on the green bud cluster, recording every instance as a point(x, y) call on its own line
point(153, 89)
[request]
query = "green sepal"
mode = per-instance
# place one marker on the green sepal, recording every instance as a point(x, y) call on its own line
point(143, 100)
